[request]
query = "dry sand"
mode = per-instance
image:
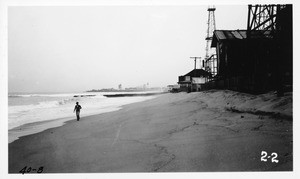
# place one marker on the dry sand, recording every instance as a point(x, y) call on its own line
point(195, 132)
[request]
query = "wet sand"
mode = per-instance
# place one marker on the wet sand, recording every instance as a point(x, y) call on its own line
point(195, 132)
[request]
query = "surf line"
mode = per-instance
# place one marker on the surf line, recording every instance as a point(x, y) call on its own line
point(117, 135)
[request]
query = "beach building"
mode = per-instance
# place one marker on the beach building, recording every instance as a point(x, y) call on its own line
point(244, 64)
point(194, 80)
point(258, 59)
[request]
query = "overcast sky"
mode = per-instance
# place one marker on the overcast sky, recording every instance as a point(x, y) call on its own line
point(71, 49)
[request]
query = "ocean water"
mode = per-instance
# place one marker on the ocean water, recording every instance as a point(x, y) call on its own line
point(32, 113)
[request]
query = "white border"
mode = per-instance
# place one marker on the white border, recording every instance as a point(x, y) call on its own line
point(4, 86)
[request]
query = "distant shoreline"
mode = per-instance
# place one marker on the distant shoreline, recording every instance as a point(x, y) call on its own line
point(134, 94)
point(126, 90)
point(123, 94)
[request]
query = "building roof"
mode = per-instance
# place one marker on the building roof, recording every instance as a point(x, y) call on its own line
point(221, 35)
point(198, 73)
point(230, 34)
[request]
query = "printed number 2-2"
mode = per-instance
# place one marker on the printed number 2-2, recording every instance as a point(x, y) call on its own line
point(264, 156)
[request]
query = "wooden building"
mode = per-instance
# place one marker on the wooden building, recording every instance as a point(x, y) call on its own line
point(245, 64)
point(258, 59)
point(193, 81)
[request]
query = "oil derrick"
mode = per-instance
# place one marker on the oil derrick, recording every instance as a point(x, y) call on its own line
point(210, 61)
point(271, 20)
point(262, 18)
point(274, 22)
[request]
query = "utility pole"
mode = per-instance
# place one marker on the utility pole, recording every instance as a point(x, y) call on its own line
point(195, 59)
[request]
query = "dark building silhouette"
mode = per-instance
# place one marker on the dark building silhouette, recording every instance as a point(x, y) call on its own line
point(258, 59)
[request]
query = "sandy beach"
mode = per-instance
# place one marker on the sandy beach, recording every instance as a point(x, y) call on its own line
point(181, 132)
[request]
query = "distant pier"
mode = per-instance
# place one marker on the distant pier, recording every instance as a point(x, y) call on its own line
point(130, 95)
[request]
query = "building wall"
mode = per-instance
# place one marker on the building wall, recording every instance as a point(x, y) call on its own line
point(198, 80)
point(247, 65)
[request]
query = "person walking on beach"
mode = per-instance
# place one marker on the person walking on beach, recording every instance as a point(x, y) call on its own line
point(77, 109)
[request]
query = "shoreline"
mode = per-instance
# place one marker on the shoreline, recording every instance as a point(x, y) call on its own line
point(40, 126)
point(171, 133)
